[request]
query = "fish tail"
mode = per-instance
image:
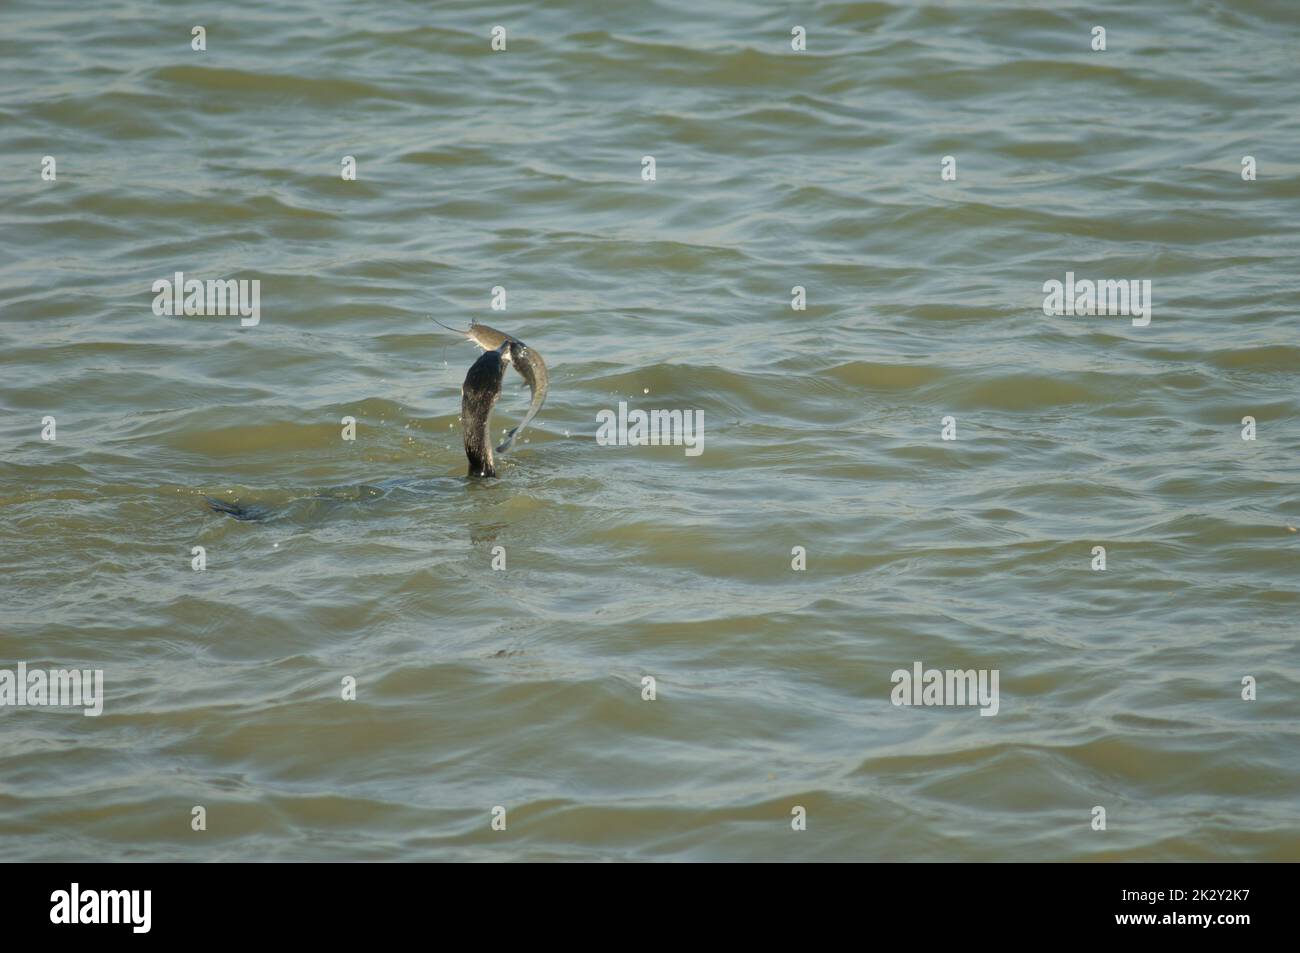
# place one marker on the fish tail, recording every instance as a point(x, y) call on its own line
point(508, 442)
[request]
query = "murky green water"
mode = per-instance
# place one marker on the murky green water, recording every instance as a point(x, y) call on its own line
point(522, 688)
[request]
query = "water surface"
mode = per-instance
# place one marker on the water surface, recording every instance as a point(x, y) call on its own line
point(523, 688)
